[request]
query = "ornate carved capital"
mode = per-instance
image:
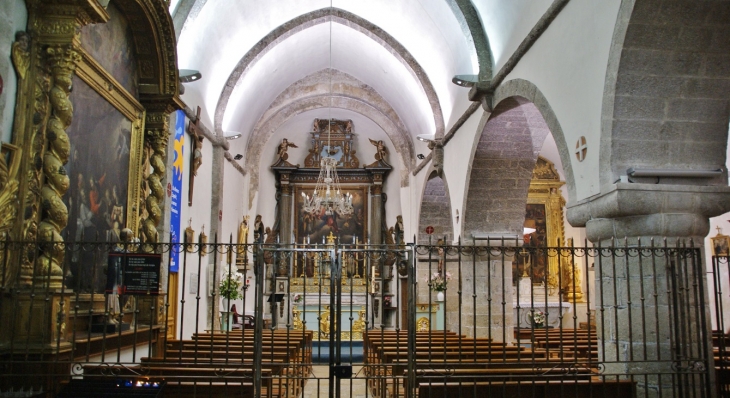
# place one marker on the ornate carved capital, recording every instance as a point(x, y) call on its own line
point(60, 21)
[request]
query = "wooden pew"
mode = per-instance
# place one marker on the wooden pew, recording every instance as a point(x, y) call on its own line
point(529, 389)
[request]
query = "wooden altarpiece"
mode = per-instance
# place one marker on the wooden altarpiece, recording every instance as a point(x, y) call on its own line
point(336, 139)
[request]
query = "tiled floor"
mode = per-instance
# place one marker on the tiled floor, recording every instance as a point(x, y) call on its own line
point(318, 386)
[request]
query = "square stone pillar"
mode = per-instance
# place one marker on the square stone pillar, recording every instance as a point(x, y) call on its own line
point(487, 294)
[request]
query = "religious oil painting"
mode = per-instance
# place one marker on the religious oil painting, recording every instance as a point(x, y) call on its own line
point(532, 262)
point(314, 228)
point(720, 245)
point(110, 44)
point(98, 168)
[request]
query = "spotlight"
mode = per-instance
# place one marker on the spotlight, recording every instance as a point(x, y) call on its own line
point(420, 156)
point(426, 137)
point(465, 80)
point(238, 156)
point(232, 137)
point(189, 75)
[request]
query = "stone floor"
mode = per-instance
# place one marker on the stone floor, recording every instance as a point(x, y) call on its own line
point(318, 385)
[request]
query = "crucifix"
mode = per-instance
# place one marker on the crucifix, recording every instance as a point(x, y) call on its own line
point(196, 155)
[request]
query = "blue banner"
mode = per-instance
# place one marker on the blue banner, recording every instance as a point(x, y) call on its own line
point(174, 189)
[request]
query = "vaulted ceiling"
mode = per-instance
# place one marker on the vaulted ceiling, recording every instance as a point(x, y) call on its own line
point(404, 53)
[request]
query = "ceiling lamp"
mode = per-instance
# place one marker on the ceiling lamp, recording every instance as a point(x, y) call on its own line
point(189, 75)
point(328, 197)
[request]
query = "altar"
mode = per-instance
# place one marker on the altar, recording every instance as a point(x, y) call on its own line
point(523, 312)
point(330, 216)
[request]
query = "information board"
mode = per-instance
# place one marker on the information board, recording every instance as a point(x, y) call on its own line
point(134, 273)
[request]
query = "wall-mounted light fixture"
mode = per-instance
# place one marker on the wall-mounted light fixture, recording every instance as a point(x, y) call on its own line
point(233, 136)
point(420, 156)
point(426, 137)
point(465, 80)
point(672, 173)
point(189, 75)
point(238, 156)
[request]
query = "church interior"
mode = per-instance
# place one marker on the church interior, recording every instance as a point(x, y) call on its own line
point(411, 198)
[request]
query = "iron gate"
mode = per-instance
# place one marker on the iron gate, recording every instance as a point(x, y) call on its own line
point(339, 293)
point(411, 321)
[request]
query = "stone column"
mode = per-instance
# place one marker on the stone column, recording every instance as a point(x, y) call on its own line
point(486, 290)
point(376, 218)
point(649, 312)
point(285, 208)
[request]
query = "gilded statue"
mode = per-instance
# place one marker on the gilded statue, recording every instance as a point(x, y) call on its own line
point(572, 282)
point(21, 53)
point(297, 323)
point(241, 255)
point(359, 324)
point(324, 322)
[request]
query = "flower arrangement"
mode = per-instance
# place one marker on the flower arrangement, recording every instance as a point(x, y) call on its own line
point(297, 298)
point(538, 319)
point(438, 281)
point(387, 302)
point(230, 286)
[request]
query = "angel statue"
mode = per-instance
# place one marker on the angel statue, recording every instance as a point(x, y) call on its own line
point(21, 53)
point(283, 147)
point(380, 149)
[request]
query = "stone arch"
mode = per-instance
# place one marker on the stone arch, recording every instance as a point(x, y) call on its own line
point(469, 15)
point(435, 211)
point(667, 89)
point(501, 168)
point(527, 90)
point(347, 93)
point(345, 18)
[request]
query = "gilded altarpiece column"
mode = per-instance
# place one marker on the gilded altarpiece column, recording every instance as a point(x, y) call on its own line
point(33, 183)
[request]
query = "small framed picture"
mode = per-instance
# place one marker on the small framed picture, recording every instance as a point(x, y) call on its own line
point(720, 245)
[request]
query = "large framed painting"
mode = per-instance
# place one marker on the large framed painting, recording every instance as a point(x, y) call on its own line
point(315, 228)
point(104, 167)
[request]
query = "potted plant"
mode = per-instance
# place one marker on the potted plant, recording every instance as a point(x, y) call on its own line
point(438, 282)
point(538, 319)
point(229, 289)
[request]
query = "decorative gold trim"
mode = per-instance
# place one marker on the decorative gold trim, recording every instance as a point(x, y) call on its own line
point(545, 190)
point(93, 74)
point(424, 308)
point(62, 60)
point(423, 324)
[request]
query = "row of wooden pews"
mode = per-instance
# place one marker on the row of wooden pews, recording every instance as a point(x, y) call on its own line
point(450, 365)
point(222, 364)
point(561, 343)
point(721, 354)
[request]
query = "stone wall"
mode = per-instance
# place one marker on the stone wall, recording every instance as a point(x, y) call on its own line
point(436, 212)
point(672, 85)
point(501, 173)
point(13, 17)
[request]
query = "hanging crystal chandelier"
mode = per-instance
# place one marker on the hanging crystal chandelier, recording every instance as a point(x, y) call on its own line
point(327, 197)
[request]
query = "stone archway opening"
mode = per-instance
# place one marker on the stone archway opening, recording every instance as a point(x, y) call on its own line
point(435, 212)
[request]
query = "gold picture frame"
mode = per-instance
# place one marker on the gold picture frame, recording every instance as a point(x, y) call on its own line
point(104, 84)
point(720, 245)
point(544, 210)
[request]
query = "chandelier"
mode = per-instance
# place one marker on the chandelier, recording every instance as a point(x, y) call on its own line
point(327, 198)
